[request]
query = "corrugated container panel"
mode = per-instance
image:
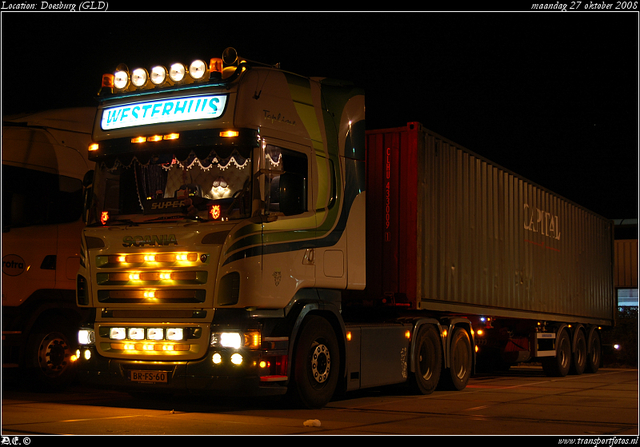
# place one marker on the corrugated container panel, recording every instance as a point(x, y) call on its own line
point(449, 230)
point(626, 263)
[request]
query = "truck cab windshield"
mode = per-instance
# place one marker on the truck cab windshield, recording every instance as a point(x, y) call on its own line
point(166, 186)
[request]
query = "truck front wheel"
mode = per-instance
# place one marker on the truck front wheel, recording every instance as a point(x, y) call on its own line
point(48, 357)
point(316, 363)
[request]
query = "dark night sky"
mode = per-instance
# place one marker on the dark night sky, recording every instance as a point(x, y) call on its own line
point(551, 96)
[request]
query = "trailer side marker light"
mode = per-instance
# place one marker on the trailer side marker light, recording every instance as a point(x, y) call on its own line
point(349, 336)
point(407, 335)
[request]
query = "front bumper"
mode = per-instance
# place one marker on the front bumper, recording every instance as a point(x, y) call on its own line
point(200, 376)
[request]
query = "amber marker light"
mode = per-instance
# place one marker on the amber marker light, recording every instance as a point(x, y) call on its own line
point(107, 80)
point(215, 66)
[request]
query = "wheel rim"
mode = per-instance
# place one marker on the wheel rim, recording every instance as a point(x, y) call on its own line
point(594, 355)
point(564, 353)
point(460, 360)
point(53, 354)
point(320, 363)
point(581, 352)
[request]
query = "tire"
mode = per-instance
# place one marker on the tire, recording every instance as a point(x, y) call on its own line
point(579, 357)
point(48, 358)
point(459, 372)
point(594, 357)
point(559, 365)
point(316, 363)
point(427, 360)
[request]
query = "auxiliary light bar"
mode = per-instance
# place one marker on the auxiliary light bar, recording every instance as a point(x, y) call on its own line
point(124, 80)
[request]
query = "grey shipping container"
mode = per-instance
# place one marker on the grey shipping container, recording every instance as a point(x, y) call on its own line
point(451, 231)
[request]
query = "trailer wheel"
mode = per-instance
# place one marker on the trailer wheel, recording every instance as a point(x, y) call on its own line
point(427, 360)
point(579, 357)
point(560, 364)
point(461, 362)
point(316, 363)
point(48, 358)
point(595, 353)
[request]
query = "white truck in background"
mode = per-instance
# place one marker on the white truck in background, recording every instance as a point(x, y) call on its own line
point(44, 161)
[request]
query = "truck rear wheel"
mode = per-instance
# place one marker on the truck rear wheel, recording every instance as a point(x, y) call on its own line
point(594, 356)
point(461, 362)
point(427, 360)
point(560, 364)
point(316, 363)
point(579, 357)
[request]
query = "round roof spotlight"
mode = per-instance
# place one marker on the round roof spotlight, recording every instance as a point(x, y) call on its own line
point(198, 69)
point(158, 74)
point(139, 77)
point(121, 79)
point(177, 72)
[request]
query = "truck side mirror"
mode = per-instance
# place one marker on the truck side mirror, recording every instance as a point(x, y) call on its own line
point(88, 179)
point(293, 194)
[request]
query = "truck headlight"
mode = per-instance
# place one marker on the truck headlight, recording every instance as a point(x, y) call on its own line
point(226, 339)
point(86, 337)
point(251, 339)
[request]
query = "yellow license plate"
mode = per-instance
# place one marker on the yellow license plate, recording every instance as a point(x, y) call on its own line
point(149, 376)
